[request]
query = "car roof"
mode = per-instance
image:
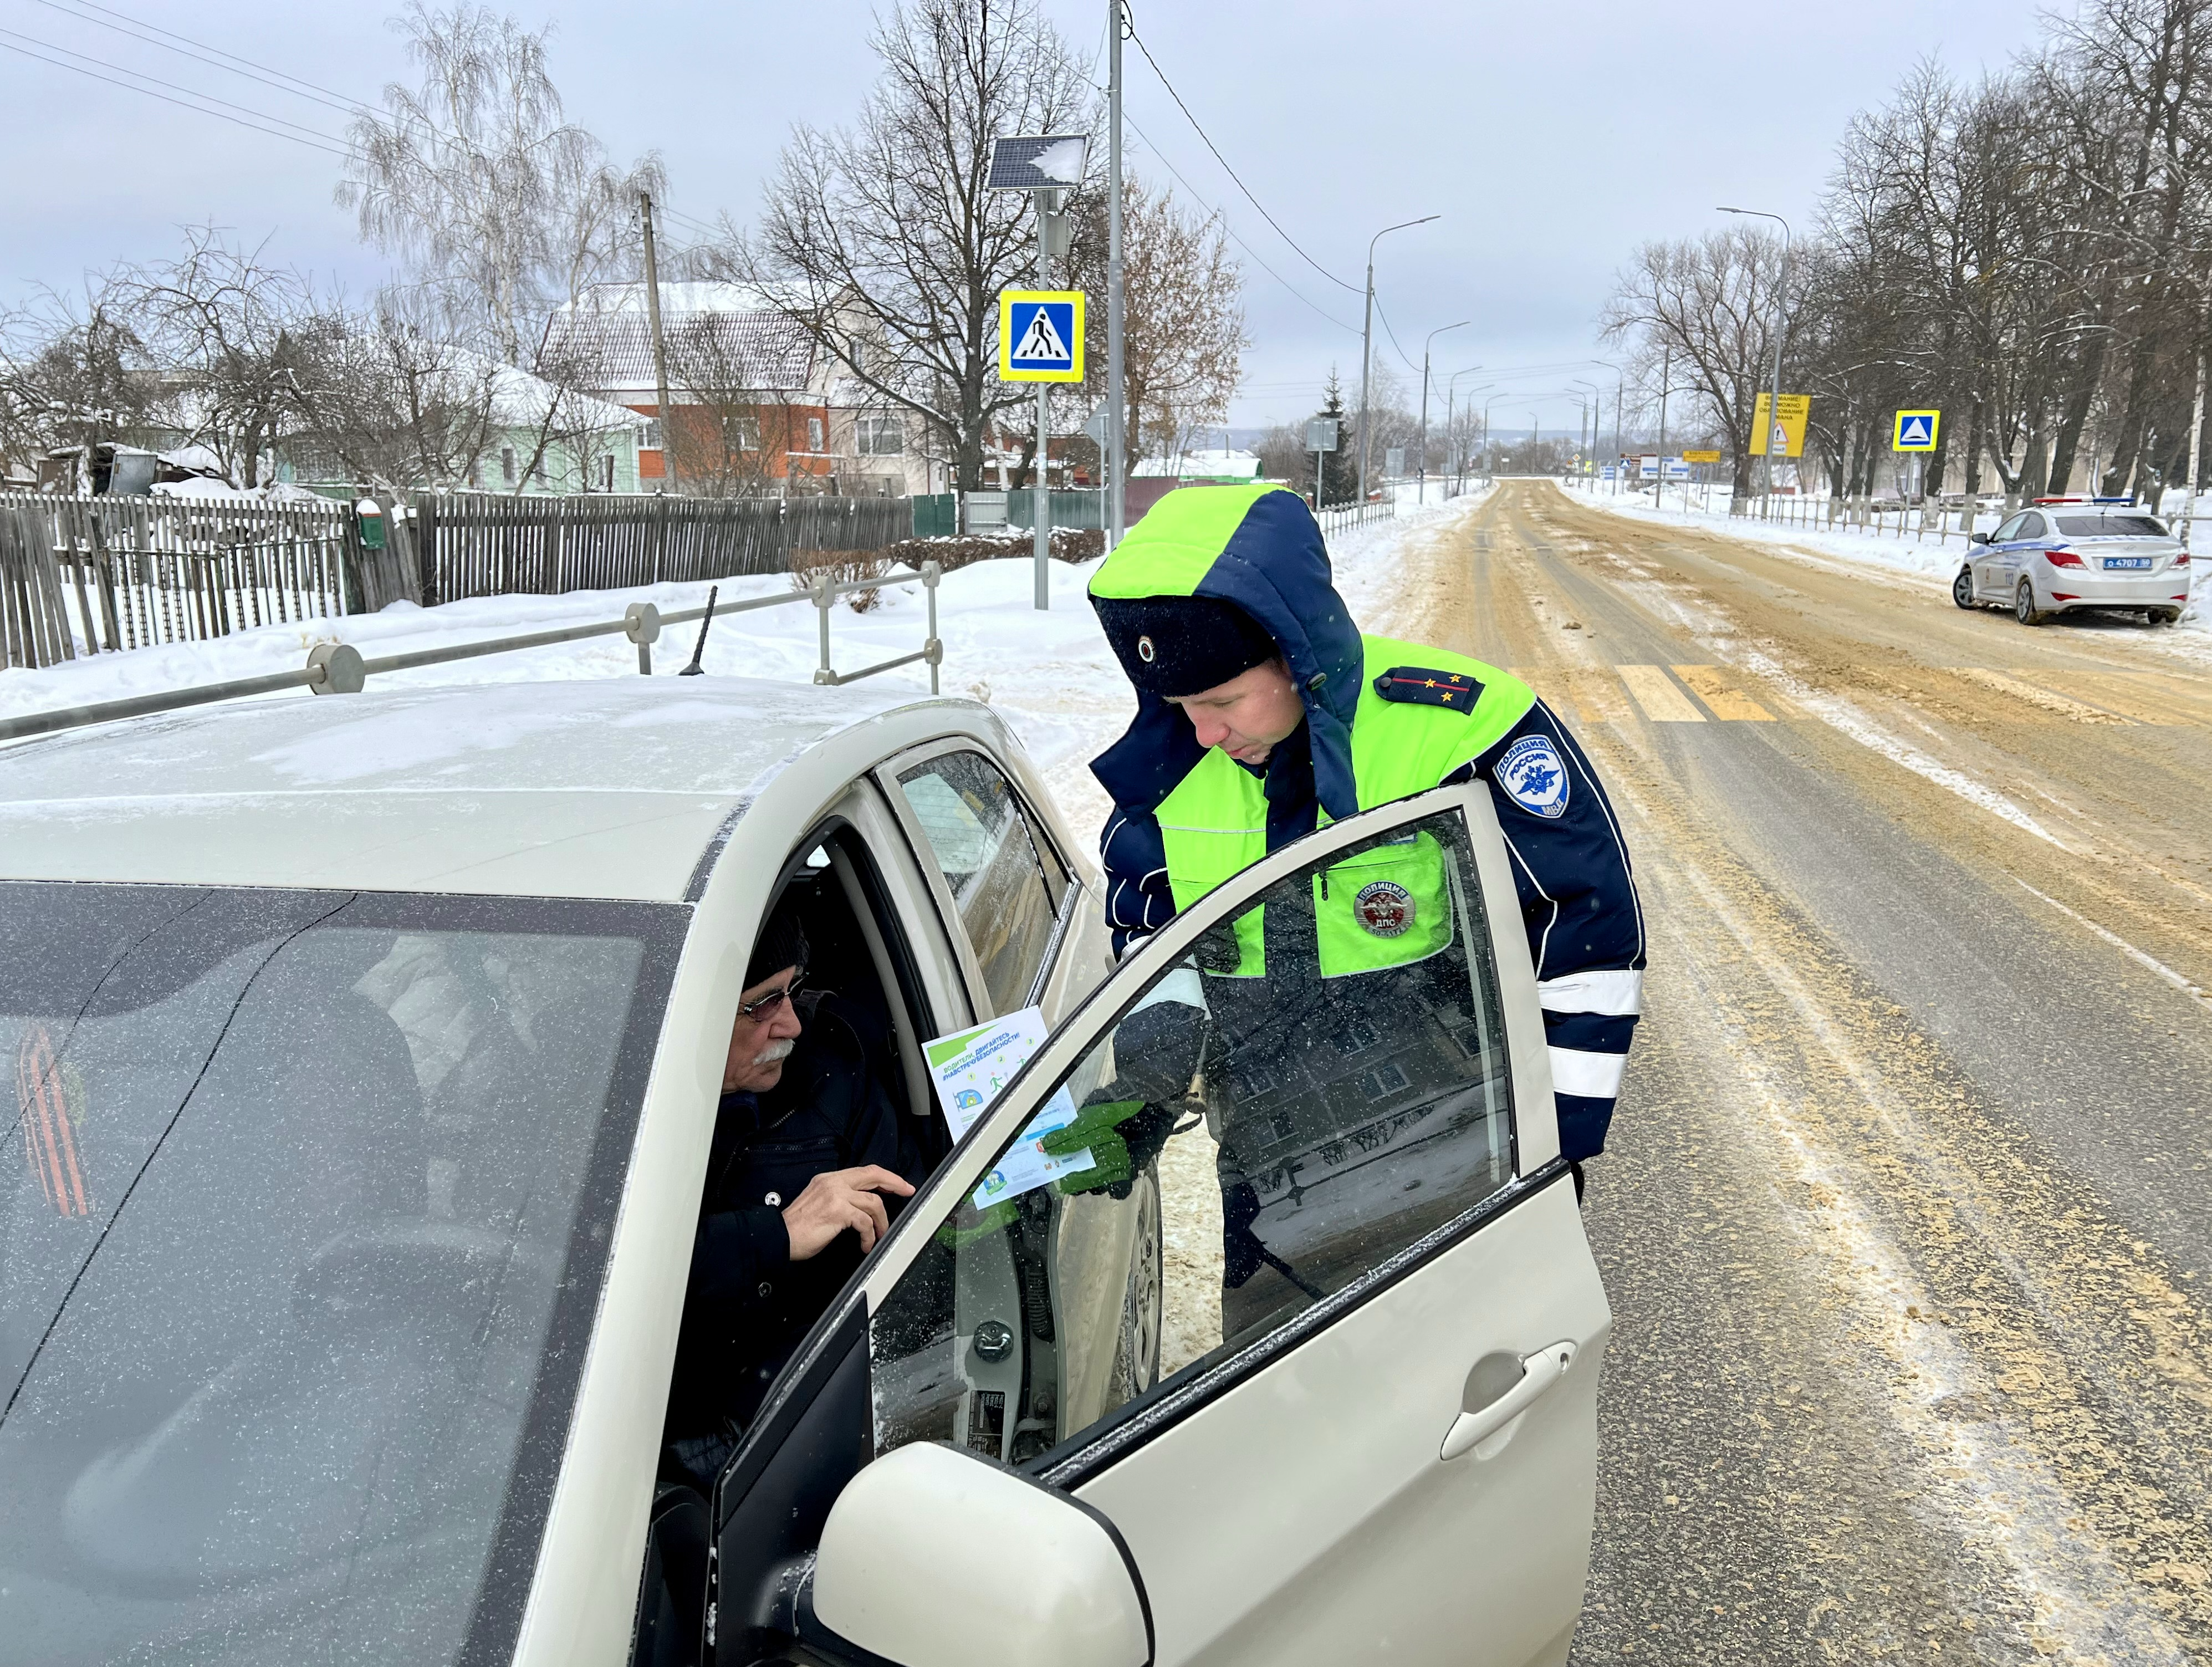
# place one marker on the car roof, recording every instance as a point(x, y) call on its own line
point(615, 787)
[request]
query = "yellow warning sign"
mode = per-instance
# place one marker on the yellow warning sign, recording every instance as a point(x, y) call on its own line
point(1795, 408)
point(1701, 457)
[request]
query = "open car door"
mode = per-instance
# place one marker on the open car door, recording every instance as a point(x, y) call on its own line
point(1310, 1376)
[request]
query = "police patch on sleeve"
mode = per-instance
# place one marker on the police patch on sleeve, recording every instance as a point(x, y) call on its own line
point(1534, 776)
point(1421, 687)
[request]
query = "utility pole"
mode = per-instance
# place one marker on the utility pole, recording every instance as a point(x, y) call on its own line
point(660, 413)
point(1052, 239)
point(2195, 417)
point(1666, 376)
point(1421, 492)
point(1117, 491)
point(1367, 344)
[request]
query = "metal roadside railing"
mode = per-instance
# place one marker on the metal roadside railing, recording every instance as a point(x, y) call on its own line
point(339, 669)
point(1343, 517)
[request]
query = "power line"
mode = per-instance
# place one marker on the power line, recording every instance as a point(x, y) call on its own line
point(1231, 172)
point(252, 71)
point(129, 87)
point(1226, 225)
point(121, 70)
point(1392, 334)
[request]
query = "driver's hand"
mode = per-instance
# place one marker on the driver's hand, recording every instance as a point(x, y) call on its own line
point(838, 1199)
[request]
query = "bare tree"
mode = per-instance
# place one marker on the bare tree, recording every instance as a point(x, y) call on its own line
point(387, 397)
point(727, 436)
point(72, 375)
point(1698, 312)
point(475, 177)
point(1182, 315)
point(223, 327)
point(882, 231)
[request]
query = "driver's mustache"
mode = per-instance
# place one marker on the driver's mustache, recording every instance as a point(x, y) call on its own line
point(777, 1050)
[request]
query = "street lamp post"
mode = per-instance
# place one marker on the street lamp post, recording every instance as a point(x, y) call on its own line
point(1421, 491)
point(1777, 441)
point(1619, 397)
point(1487, 468)
point(1595, 407)
point(1117, 469)
point(1453, 456)
point(1367, 342)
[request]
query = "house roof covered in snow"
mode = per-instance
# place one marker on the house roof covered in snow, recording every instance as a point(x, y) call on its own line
point(1200, 465)
point(722, 336)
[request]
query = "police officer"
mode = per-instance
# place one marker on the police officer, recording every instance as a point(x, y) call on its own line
point(1261, 709)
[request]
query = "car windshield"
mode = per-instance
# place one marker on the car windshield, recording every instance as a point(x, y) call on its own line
point(299, 1250)
point(2108, 527)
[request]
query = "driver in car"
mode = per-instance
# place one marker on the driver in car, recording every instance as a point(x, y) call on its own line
point(810, 1162)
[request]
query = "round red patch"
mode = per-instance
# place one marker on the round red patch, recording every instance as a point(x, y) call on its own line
point(1384, 908)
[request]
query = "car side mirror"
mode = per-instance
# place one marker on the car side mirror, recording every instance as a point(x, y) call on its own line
point(1977, 537)
point(934, 1556)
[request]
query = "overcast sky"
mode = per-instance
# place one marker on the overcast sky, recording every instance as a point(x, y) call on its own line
point(1551, 139)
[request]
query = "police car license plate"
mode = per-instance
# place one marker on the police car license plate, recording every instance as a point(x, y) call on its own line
point(2113, 562)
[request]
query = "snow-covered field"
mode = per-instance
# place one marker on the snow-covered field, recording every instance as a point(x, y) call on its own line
point(1934, 560)
point(1050, 675)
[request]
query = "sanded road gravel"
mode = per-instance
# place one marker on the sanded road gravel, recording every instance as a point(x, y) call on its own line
point(1907, 1218)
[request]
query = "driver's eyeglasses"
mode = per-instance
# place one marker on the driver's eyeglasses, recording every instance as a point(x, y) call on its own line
point(767, 1004)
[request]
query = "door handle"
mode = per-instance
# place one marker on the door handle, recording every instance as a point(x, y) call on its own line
point(1494, 1399)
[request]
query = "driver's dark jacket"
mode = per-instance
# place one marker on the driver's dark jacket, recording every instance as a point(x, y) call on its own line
point(749, 1305)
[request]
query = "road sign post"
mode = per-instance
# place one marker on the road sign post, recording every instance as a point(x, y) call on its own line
point(1796, 411)
point(1914, 435)
point(1049, 347)
point(1321, 440)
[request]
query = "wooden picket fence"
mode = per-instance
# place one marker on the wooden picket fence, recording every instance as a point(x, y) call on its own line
point(121, 573)
point(498, 546)
point(34, 623)
point(83, 575)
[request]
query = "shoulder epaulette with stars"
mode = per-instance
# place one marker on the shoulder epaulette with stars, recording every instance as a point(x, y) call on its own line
point(1419, 686)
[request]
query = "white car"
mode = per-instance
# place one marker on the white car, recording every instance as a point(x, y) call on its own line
point(365, 1054)
point(2077, 556)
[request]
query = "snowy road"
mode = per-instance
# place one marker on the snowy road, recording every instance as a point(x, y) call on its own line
point(1907, 1218)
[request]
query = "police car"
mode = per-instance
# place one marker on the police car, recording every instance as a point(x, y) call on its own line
point(2077, 555)
point(364, 1053)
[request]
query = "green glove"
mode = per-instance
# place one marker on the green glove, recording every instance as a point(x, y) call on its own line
point(1123, 1137)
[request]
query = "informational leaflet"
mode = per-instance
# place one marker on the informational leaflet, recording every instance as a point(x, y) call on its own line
point(970, 1068)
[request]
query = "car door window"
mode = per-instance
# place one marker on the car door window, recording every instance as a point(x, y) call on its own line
point(2030, 527)
point(2007, 531)
point(1318, 1086)
point(1006, 883)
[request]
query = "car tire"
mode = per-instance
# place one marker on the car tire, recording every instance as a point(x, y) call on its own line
point(1962, 588)
point(2023, 606)
point(1144, 1300)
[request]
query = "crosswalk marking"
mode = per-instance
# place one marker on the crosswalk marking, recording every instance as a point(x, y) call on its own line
point(1712, 687)
point(1663, 702)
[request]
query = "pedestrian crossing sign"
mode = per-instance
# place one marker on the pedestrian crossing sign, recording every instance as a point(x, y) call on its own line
point(1041, 335)
point(1916, 431)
